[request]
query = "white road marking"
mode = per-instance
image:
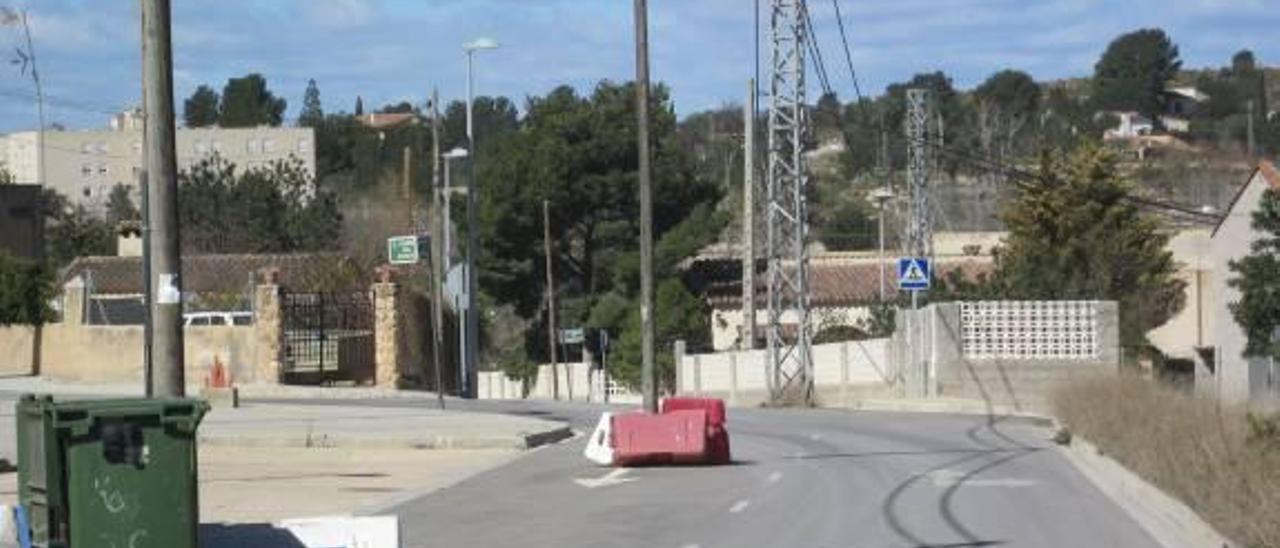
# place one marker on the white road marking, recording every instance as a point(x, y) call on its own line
point(774, 477)
point(612, 478)
point(739, 506)
point(691, 546)
point(949, 478)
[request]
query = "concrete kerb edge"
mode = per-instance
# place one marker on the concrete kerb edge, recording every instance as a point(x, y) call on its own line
point(1170, 521)
point(522, 441)
point(950, 408)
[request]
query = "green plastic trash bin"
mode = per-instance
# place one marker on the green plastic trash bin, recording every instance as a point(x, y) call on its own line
point(109, 473)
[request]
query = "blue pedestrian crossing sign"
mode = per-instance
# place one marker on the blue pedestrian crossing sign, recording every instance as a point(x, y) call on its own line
point(914, 274)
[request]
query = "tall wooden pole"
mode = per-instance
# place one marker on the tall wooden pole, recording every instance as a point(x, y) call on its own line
point(161, 167)
point(551, 300)
point(749, 220)
point(648, 379)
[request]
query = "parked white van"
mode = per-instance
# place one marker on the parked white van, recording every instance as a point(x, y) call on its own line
point(217, 318)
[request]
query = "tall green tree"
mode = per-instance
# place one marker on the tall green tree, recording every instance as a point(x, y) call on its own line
point(1006, 106)
point(26, 288)
point(1133, 72)
point(120, 206)
point(6, 176)
point(579, 153)
point(312, 111)
point(1257, 277)
point(492, 117)
point(246, 102)
point(201, 109)
point(273, 209)
point(73, 231)
point(1075, 235)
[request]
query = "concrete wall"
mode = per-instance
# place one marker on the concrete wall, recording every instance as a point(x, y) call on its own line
point(842, 372)
point(1235, 378)
point(1024, 384)
point(726, 324)
point(577, 383)
point(114, 353)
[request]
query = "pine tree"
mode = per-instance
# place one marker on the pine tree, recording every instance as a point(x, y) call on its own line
point(359, 106)
point(201, 109)
point(312, 112)
point(1074, 235)
point(1258, 279)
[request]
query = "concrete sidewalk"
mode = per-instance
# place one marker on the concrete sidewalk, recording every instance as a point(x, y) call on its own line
point(340, 426)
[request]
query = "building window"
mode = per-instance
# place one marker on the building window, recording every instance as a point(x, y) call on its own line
point(86, 170)
point(216, 145)
point(88, 192)
point(303, 146)
point(268, 146)
point(201, 147)
point(137, 147)
point(251, 146)
point(102, 169)
point(101, 147)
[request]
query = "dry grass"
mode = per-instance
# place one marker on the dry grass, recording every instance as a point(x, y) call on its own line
point(1211, 458)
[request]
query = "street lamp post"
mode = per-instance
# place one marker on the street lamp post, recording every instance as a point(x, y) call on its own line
point(471, 344)
point(880, 197)
point(447, 247)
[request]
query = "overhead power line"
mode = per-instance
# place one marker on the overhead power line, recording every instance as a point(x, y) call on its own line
point(848, 53)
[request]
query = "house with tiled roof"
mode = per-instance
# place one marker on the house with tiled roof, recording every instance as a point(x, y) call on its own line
point(842, 288)
point(222, 282)
point(1225, 371)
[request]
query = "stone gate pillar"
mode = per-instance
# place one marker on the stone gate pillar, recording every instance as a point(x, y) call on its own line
point(390, 352)
point(268, 329)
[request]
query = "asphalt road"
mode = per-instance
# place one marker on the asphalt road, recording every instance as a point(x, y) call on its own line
point(803, 478)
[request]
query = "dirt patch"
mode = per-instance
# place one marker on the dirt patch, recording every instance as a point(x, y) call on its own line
point(1220, 461)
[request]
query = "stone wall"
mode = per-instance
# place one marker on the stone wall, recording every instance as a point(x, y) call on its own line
point(108, 354)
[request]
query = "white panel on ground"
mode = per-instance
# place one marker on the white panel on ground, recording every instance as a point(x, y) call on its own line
point(600, 446)
point(345, 532)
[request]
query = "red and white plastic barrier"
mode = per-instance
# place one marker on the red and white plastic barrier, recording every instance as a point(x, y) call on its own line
point(687, 431)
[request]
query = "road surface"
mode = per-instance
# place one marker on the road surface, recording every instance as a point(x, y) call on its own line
point(803, 478)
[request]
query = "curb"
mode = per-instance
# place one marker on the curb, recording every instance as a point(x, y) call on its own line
point(522, 441)
point(1165, 518)
point(949, 407)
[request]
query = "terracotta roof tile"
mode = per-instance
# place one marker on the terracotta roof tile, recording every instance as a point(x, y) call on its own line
point(224, 274)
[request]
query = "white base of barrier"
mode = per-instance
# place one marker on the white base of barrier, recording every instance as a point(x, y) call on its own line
point(598, 448)
point(345, 532)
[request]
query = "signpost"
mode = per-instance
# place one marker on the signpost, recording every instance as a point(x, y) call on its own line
point(572, 336)
point(402, 250)
point(914, 274)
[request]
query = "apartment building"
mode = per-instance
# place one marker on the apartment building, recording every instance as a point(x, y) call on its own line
point(84, 165)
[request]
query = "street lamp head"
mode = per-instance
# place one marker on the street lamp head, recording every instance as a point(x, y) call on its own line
point(8, 16)
point(455, 154)
point(880, 196)
point(479, 44)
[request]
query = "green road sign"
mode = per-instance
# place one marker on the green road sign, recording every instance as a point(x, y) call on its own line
point(572, 336)
point(402, 250)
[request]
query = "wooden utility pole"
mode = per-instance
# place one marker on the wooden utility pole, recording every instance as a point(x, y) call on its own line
point(749, 220)
point(161, 167)
point(1252, 147)
point(648, 380)
point(437, 276)
point(551, 300)
point(406, 182)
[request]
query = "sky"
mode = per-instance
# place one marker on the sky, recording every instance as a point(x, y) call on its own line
point(392, 50)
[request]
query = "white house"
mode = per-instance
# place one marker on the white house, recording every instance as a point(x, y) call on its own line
point(1231, 375)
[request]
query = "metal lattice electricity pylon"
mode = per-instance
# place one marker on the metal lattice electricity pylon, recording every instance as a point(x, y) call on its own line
point(790, 362)
point(919, 221)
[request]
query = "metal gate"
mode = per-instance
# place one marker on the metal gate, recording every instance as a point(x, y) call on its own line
point(328, 337)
